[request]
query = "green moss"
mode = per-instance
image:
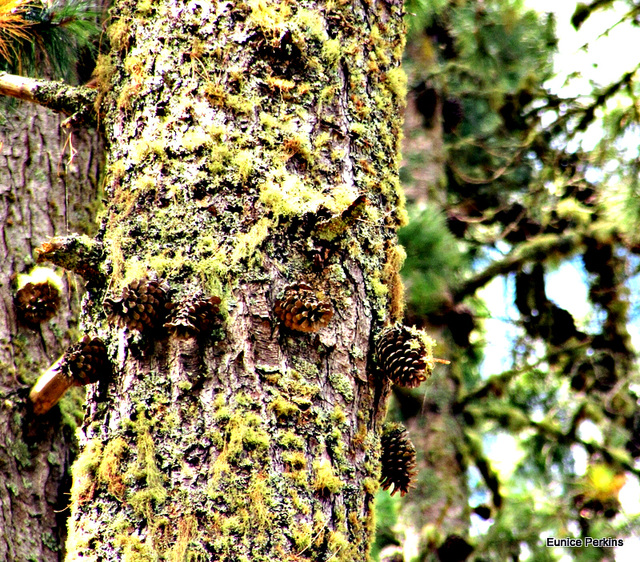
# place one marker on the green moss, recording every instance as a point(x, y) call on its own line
point(144, 7)
point(243, 161)
point(72, 407)
point(270, 17)
point(260, 499)
point(134, 66)
point(140, 151)
point(247, 243)
point(337, 415)
point(109, 471)
point(195, 139)
point(255, 439)
point(295, 459)
point(283, 408)
point(287, 195)
point(145, 183)
point(119, 33)
point(134, 550)
point(302, 535)
point(338, 544)
point(326, 482)
point(332, 51)
point(290, 440)
point(145, 469)
point(84, 471)
point(312, 22)
point(371, 485)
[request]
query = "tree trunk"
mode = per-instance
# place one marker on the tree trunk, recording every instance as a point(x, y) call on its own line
point(43, 192)
point(252, 146)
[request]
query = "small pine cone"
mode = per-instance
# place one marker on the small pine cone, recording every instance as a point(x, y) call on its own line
point(404, 355)
point(37, 302)
point(300, 309)
point(143, 304)
point(192, 316)
point(454, 549)
point(87, 362)
point(398, 459)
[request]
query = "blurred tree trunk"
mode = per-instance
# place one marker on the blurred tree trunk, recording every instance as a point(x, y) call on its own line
point(439, 505)
point(48, 181)
point(251, 146)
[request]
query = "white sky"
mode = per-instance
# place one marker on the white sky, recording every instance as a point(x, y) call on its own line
point(604, 61)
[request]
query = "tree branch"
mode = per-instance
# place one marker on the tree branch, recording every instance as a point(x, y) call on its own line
point(536, 249)
point(75, 101)
point(77, 253)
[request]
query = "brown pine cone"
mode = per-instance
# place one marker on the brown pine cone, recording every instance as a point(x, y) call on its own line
point(398, 459)
point(300, 309)
point(37, 302)
point(142, 305)
point(87, 362)
point(192, 316)
point(404, 355)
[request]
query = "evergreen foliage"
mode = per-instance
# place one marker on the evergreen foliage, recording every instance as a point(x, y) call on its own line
point(523, 191)
point(47, 36)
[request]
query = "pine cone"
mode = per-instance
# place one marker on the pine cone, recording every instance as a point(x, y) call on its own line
point(300, 309)
point(404, 355)
point(143, 304)
point(454, 549)
point(87, 362)
point(192, 316)
point(37, 302)
point(398, 459)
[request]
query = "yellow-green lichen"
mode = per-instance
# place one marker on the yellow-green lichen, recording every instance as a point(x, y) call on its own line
point(290, 440)
point(342, 383)
point(295, 459)
point(283, 408)
point(326, 482)
point(84, 471)
point(109, 471)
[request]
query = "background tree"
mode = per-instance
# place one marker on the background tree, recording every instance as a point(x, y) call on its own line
point(510, 192)
point(251, 187)
point(49, 184)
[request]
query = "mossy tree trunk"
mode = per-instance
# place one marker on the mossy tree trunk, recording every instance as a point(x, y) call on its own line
point(251, 146)
point(45, 188)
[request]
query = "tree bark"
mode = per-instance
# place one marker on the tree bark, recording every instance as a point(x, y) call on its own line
point(251, 146)
point(48, 184)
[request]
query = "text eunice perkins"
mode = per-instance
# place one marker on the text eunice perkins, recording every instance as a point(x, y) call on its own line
point(587, 541)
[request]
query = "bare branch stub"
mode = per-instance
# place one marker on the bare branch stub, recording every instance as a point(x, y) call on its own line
point(77, 253)
point(76, 101)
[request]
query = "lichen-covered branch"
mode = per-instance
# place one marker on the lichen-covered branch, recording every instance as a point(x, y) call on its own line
point(74, 101)
point(536, 249)
point(77, 253)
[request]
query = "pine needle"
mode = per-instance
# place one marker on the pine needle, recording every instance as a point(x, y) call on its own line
point(37, 36)
point(13, 27)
